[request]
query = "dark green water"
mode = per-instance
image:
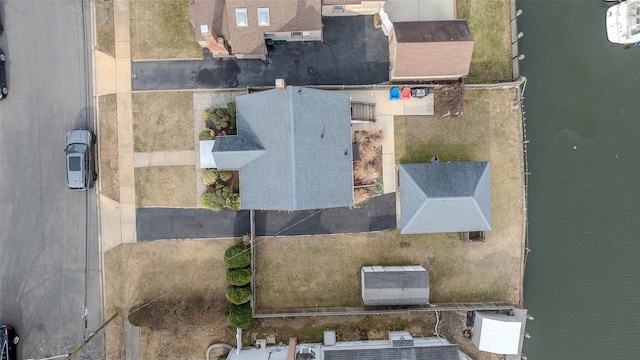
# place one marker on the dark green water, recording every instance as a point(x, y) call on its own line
point(582, 105)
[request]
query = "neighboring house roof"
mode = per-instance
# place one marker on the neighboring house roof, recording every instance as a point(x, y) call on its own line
point(395, 285)
point(497, 333)
point(445, 197)
point(439, 49)
point(420, 10)
point(293, 149)
point(284, 15)
point(343, 2)
point(443, 352)
point(418, 349)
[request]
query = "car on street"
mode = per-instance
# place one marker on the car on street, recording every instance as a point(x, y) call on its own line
point(10, 341)
point(3, 77)
point(81, 173)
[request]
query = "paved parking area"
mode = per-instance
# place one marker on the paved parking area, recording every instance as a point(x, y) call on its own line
point(353, 52)
point(379, 213)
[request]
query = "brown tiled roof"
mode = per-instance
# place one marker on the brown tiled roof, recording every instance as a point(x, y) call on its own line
point(432, 48)
point(341, 2)
point(284, 15)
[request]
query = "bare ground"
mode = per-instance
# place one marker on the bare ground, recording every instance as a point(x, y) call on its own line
point(168, 186)
point(179, 278)
point(108, 154)
point(161, 30)
point(162, 121)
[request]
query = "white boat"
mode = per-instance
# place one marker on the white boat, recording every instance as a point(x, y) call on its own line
point(623, 23)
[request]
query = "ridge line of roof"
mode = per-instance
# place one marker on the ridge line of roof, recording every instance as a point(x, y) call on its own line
point(294, 187)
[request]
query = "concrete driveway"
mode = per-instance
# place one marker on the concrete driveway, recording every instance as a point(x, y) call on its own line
point(353, 52)
point(379, 213)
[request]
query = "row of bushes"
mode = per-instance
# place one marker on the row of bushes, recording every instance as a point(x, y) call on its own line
point(238, 261)
point(222, 121)
point(219, 194)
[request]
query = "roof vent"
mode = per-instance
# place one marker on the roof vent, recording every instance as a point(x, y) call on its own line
point(400, 339)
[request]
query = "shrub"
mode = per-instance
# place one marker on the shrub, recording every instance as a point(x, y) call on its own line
point(223, 357)
point(239, 294)
point(237, 257)
point(240, 316)
point(226, 175)
point(231, 108)
point(209, 176)
point(239, 277)
point(217, 118)
point(208, 200)
point(360, 195)
point(366, 172)
point(236, 188)
point(368, 152)
point(233, 202)
point(206, 134)
point(222, 194)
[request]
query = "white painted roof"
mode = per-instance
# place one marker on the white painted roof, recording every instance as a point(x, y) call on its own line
point(499, 334)
point(206, 156)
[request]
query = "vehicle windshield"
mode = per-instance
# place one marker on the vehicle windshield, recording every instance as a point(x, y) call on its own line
point(76, 148)
point(5, 350)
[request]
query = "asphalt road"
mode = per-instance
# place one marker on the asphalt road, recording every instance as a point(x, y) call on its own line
point(49, 261)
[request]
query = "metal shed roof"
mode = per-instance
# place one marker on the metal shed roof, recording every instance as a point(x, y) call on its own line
point(395, 285)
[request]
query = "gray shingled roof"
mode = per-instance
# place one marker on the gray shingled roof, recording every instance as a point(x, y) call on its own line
point(443, 352)
point(293, 149)
point(445, 197)
point(395, 285)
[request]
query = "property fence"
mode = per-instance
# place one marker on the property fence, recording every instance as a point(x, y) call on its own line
point(378, 310)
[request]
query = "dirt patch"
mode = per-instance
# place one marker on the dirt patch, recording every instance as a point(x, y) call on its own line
point(108, 142)
point(105, 32)
point(161, 30)
point(490, 24)
point(306, 275)
point(489, 130)
point(171, 271)
point(163, 121)
point(170, 186)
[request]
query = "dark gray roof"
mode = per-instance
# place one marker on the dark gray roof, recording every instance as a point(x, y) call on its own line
point(293, 149)
point(432, 31)
point(442, 352)
point(395, 285)
point(445, 197)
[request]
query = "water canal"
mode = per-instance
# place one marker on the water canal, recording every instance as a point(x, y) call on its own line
point(582, 105)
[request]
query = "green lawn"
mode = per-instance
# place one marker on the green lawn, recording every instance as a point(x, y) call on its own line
point(489, 21)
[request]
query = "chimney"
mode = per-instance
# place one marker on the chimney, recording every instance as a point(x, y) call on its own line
point(292, 348)
point(280, 85)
